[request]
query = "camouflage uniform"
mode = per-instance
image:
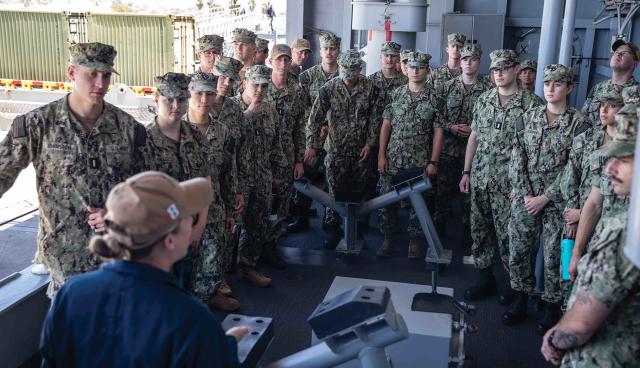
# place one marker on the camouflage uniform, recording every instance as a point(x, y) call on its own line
point(577, 176)
point(352, 123)
point(244, 36)
point(591, 107)
point(607, 275)
point(460, 100)
point(311, 80)
point(383, 83)
point(264, 155)
point(413, 121)
point(540, 153)
point(212, 258)
point(74, 169)
point(494, 126)
point(442, 74)
point(288, 103)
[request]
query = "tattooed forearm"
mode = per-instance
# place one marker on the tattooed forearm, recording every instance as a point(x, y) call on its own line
point(584, 297)
point(564, 340)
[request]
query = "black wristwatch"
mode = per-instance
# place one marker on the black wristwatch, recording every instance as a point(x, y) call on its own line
point(434, 163)
point(465, 172)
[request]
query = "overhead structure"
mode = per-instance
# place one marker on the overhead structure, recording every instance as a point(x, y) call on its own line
point(388, 21)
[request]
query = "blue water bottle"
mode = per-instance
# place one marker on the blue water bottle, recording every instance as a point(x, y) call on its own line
point(566, 250)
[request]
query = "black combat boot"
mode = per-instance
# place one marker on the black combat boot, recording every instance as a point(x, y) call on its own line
point(334, 238)
point(485, 286)
point(506, 296)
point(550, 316)
point(517, 311)
point(301, 223)
point(271, 258)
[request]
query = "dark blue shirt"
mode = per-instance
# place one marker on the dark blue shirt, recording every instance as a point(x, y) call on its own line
point(128, 314)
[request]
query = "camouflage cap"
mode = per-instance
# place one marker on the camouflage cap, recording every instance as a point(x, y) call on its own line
point(329, 40)
point(631, 95)
point(634, 48)
point(93, 55)
point(173, 85)
point(243, 35)
point(228, 67)
point(262, 44)
point(349, 58)
point(529, 64)
point(279, 50)
point(456, 38)
point(390, 48)
point(208, 42)
point(418, 60)
point(472, 50)
point(612, 93)
point(404, 54)
point(558, 72)
point(503, 58)
point(624, 139)
point(258, 74)
point(203, 82)
point(302, 44)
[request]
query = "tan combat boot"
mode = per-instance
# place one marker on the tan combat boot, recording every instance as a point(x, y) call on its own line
point(223, 302)
point(387, 247)
point(225, 289)
point(252, 277)
point(415, 249)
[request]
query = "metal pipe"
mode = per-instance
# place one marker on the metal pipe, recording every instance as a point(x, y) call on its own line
point(319, 195)
point(566, 43)
point(632, 247)
point(548, 49)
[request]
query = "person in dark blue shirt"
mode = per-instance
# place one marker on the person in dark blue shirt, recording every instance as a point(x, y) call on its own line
point(131, 312)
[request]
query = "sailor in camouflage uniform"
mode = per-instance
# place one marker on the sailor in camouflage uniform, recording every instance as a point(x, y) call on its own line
point(461, 94)
point(80, 146)
point(311, 80)
point(445, 72)
point(244, 49)
point(411, 137)
point(540, 152)
point(262, 51)
point(602, 202)
point(387, 79)
point(228, 111)
point(209, 47)
point(601, 327)
point(181, 152)
point(350, 104)
point(300, 53)
point(577, 176)
point(527, 75)
point(265, 156)
point(287, 96)
point(623, 63)
point(489, 149)
point(210, 257)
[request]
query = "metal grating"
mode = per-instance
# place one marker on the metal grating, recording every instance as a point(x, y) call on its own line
point(144, 44)
point(34, 45)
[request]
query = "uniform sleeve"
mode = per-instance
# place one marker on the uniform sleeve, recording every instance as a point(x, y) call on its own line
point(317, 118)
point(144, 154)
point(612, 275)
point(586, 108)
point(212, 348)
point(570, 181)
point(229, 174)
point(278, 158)
point(476, 118)
point(448, 116)
point(243, 155)
point(17, 150)
point(375, 117)
point(299, 128)
point(518, 174)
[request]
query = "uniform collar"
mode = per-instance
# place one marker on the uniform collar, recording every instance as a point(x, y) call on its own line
point(141, 270)
point(186, 135)
point(105, 124)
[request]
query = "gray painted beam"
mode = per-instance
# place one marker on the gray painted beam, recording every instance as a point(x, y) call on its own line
point(585, 68)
